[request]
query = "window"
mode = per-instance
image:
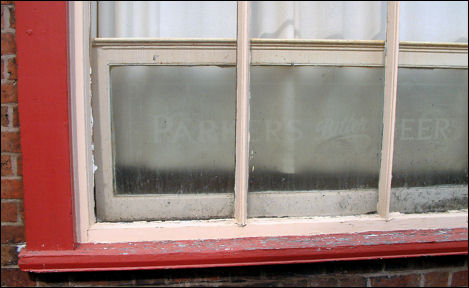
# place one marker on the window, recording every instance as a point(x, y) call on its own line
point(165, 142)
point(355, 81)
point(165, 114)
point(430, 156)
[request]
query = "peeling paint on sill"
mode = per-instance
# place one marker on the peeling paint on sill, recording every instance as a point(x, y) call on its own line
point(20, 247)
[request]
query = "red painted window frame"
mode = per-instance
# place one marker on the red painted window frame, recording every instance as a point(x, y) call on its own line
point(42, 39)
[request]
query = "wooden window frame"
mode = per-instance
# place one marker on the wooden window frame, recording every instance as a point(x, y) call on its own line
point(265, 52)
point(55, 237)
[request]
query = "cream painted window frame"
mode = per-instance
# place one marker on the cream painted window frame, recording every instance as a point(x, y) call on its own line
point(263, 52)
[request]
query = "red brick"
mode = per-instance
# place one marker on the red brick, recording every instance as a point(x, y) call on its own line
point(351, 281)
point(8, 43)
point(412, 280)
point(11, 69)
point(9, 255)
point(6, 165)
point(144, 278)
point(11, 142)
point(21, 211)
point(12, 189)
point(16, 120)
point(12, 234)
point(5, 120)
point(9, 92)
point(436, 279)
point(19, 165)
point(3, 77)
point(9, 212)
point(459, 279)
point(322, 281)
point(16, 277)
point(12, 18)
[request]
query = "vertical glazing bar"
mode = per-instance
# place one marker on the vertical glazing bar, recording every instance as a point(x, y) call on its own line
point(242, 113)
point(390, 91)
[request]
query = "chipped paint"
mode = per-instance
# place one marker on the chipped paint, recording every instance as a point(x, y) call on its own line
point(248, 251)
point(91, 119)
point(20, 247)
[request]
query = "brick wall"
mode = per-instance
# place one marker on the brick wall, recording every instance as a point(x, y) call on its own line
point(12, 192)
point(424, 271)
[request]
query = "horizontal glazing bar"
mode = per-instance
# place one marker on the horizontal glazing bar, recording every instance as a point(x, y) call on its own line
point(319, 53)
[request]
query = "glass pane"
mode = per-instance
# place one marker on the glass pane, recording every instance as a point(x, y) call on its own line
point(433, 21)
point(167, 19)
point(315, 128)
point(430, 148)
point(359, 20)
point(173, 129)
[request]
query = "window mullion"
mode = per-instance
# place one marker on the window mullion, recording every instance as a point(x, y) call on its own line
point(389, 113)
point(242, 113)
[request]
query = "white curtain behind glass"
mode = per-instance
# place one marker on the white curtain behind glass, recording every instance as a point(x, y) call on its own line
point(319, 20)
point(167, 19)
point(434, 21)
point(439, 21)
point(270, 19)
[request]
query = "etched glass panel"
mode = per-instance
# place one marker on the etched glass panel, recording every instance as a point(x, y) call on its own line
point(430, 142)
point(315, 128)
point(173, 129)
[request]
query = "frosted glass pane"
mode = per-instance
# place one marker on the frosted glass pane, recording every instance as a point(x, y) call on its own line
point(433, 21)
point(315, 128)
point(359, 20)
point(430, 138)
point(173, 129)
point(167, 19)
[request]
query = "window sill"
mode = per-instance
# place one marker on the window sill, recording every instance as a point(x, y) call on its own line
point(248, 251)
